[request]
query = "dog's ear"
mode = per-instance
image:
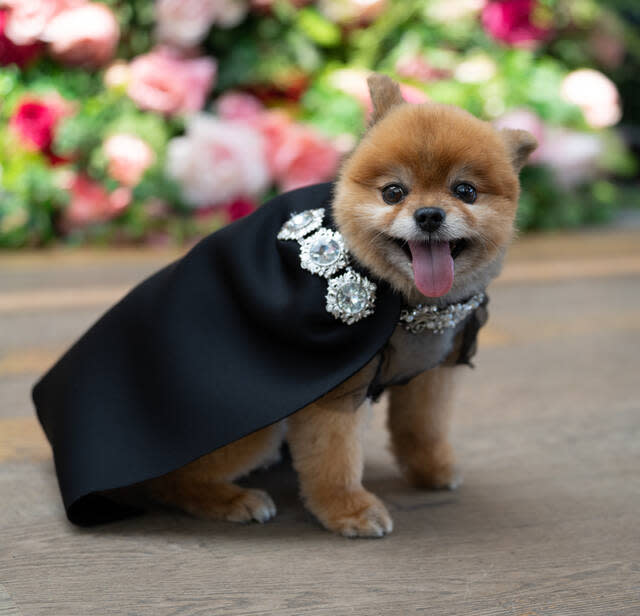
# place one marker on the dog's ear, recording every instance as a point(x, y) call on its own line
point(520, 144)
point(385, 94)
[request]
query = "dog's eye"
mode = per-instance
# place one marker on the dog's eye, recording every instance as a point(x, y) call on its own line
point(393, 193)
point(465, 192)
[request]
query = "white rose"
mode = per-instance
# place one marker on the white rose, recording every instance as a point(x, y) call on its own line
point(217, 161)
point(595, 94)
point(185, 23)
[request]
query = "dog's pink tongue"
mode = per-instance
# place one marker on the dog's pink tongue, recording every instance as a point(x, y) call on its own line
point(432, 267)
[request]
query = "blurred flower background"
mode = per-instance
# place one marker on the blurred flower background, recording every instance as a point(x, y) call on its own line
point(142, 121)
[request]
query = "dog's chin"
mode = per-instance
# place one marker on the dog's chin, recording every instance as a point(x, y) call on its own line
point(471, 273)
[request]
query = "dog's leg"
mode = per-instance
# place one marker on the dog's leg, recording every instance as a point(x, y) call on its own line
point(419, 414)
point(204, 487)
point(325, 443)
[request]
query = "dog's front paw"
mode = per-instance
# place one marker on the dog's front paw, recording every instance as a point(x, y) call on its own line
point(355, 514)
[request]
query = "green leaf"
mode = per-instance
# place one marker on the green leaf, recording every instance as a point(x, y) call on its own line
point(318, 28)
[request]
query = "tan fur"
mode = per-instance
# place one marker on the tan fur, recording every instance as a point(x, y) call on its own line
point(418, 421)
point(326, 446)
point(428, 148)
point(204, 487)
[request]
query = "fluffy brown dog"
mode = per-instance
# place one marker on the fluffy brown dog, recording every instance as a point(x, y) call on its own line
point(426, 202)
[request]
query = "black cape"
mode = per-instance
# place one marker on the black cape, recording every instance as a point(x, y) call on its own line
point(230, 338)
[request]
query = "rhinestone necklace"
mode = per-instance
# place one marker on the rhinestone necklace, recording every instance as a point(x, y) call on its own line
point(436, 319)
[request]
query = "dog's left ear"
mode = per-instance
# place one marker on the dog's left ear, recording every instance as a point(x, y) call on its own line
point(385, 94)
point(520, 144)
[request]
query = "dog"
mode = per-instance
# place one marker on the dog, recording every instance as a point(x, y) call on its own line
point(426, 202)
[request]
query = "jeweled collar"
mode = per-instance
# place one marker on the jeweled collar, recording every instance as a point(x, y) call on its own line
point(436, 319)
point(350, 295)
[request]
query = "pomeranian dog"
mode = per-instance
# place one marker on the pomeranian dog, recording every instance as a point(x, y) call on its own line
point(426, 202)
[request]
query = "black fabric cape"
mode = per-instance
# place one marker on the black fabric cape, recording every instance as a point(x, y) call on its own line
point(228, 339)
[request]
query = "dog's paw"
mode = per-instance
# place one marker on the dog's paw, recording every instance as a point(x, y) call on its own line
point(435, 477)
point(230, 502)
point(250, 505)
point(432, 468)
point(356, 514)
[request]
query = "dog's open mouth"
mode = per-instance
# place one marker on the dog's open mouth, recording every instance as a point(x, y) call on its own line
point(432, 263)
point(455, 246)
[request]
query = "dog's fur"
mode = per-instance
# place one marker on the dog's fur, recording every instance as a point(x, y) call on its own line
point(428, 148)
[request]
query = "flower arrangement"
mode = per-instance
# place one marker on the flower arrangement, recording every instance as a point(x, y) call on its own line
point(135, 120)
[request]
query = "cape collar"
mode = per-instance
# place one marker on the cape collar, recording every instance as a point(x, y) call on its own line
point(350, 295)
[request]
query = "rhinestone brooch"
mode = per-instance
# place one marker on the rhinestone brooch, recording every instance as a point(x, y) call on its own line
point(350, 296)
point(300, 224)
point(323, 253)
point(436, 320)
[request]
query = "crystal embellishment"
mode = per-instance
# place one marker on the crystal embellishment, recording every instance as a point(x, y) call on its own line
point(301, 224)
point(323, 253)
point(350, 297)
point(436, 320)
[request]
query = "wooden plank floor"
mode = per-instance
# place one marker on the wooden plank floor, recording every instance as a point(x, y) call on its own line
point(547, 431)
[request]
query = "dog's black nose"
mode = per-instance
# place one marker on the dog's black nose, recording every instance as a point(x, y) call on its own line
point(429, 218)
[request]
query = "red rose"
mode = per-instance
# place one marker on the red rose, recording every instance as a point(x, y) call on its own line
point(34, 121)
point(240, 208)
point(10, 53)
point(511, 21)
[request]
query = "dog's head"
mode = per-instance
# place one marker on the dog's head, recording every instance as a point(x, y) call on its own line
point(428, 198)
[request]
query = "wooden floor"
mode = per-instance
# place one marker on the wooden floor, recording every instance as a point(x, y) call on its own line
point(547, 431)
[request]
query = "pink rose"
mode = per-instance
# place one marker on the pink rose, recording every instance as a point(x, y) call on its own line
point(274, 127)
point(29, 18)
point(35, 120)
point(128, 157)
point(238, 106)
point(305, 158)
point(163, 81)
point(512, 22)
point(217, 161)
point(90, 203)
point(83, 36)
point(296, 154)
point(10, 53)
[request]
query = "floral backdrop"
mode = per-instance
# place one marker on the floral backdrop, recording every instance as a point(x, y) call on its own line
point(135, 120)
